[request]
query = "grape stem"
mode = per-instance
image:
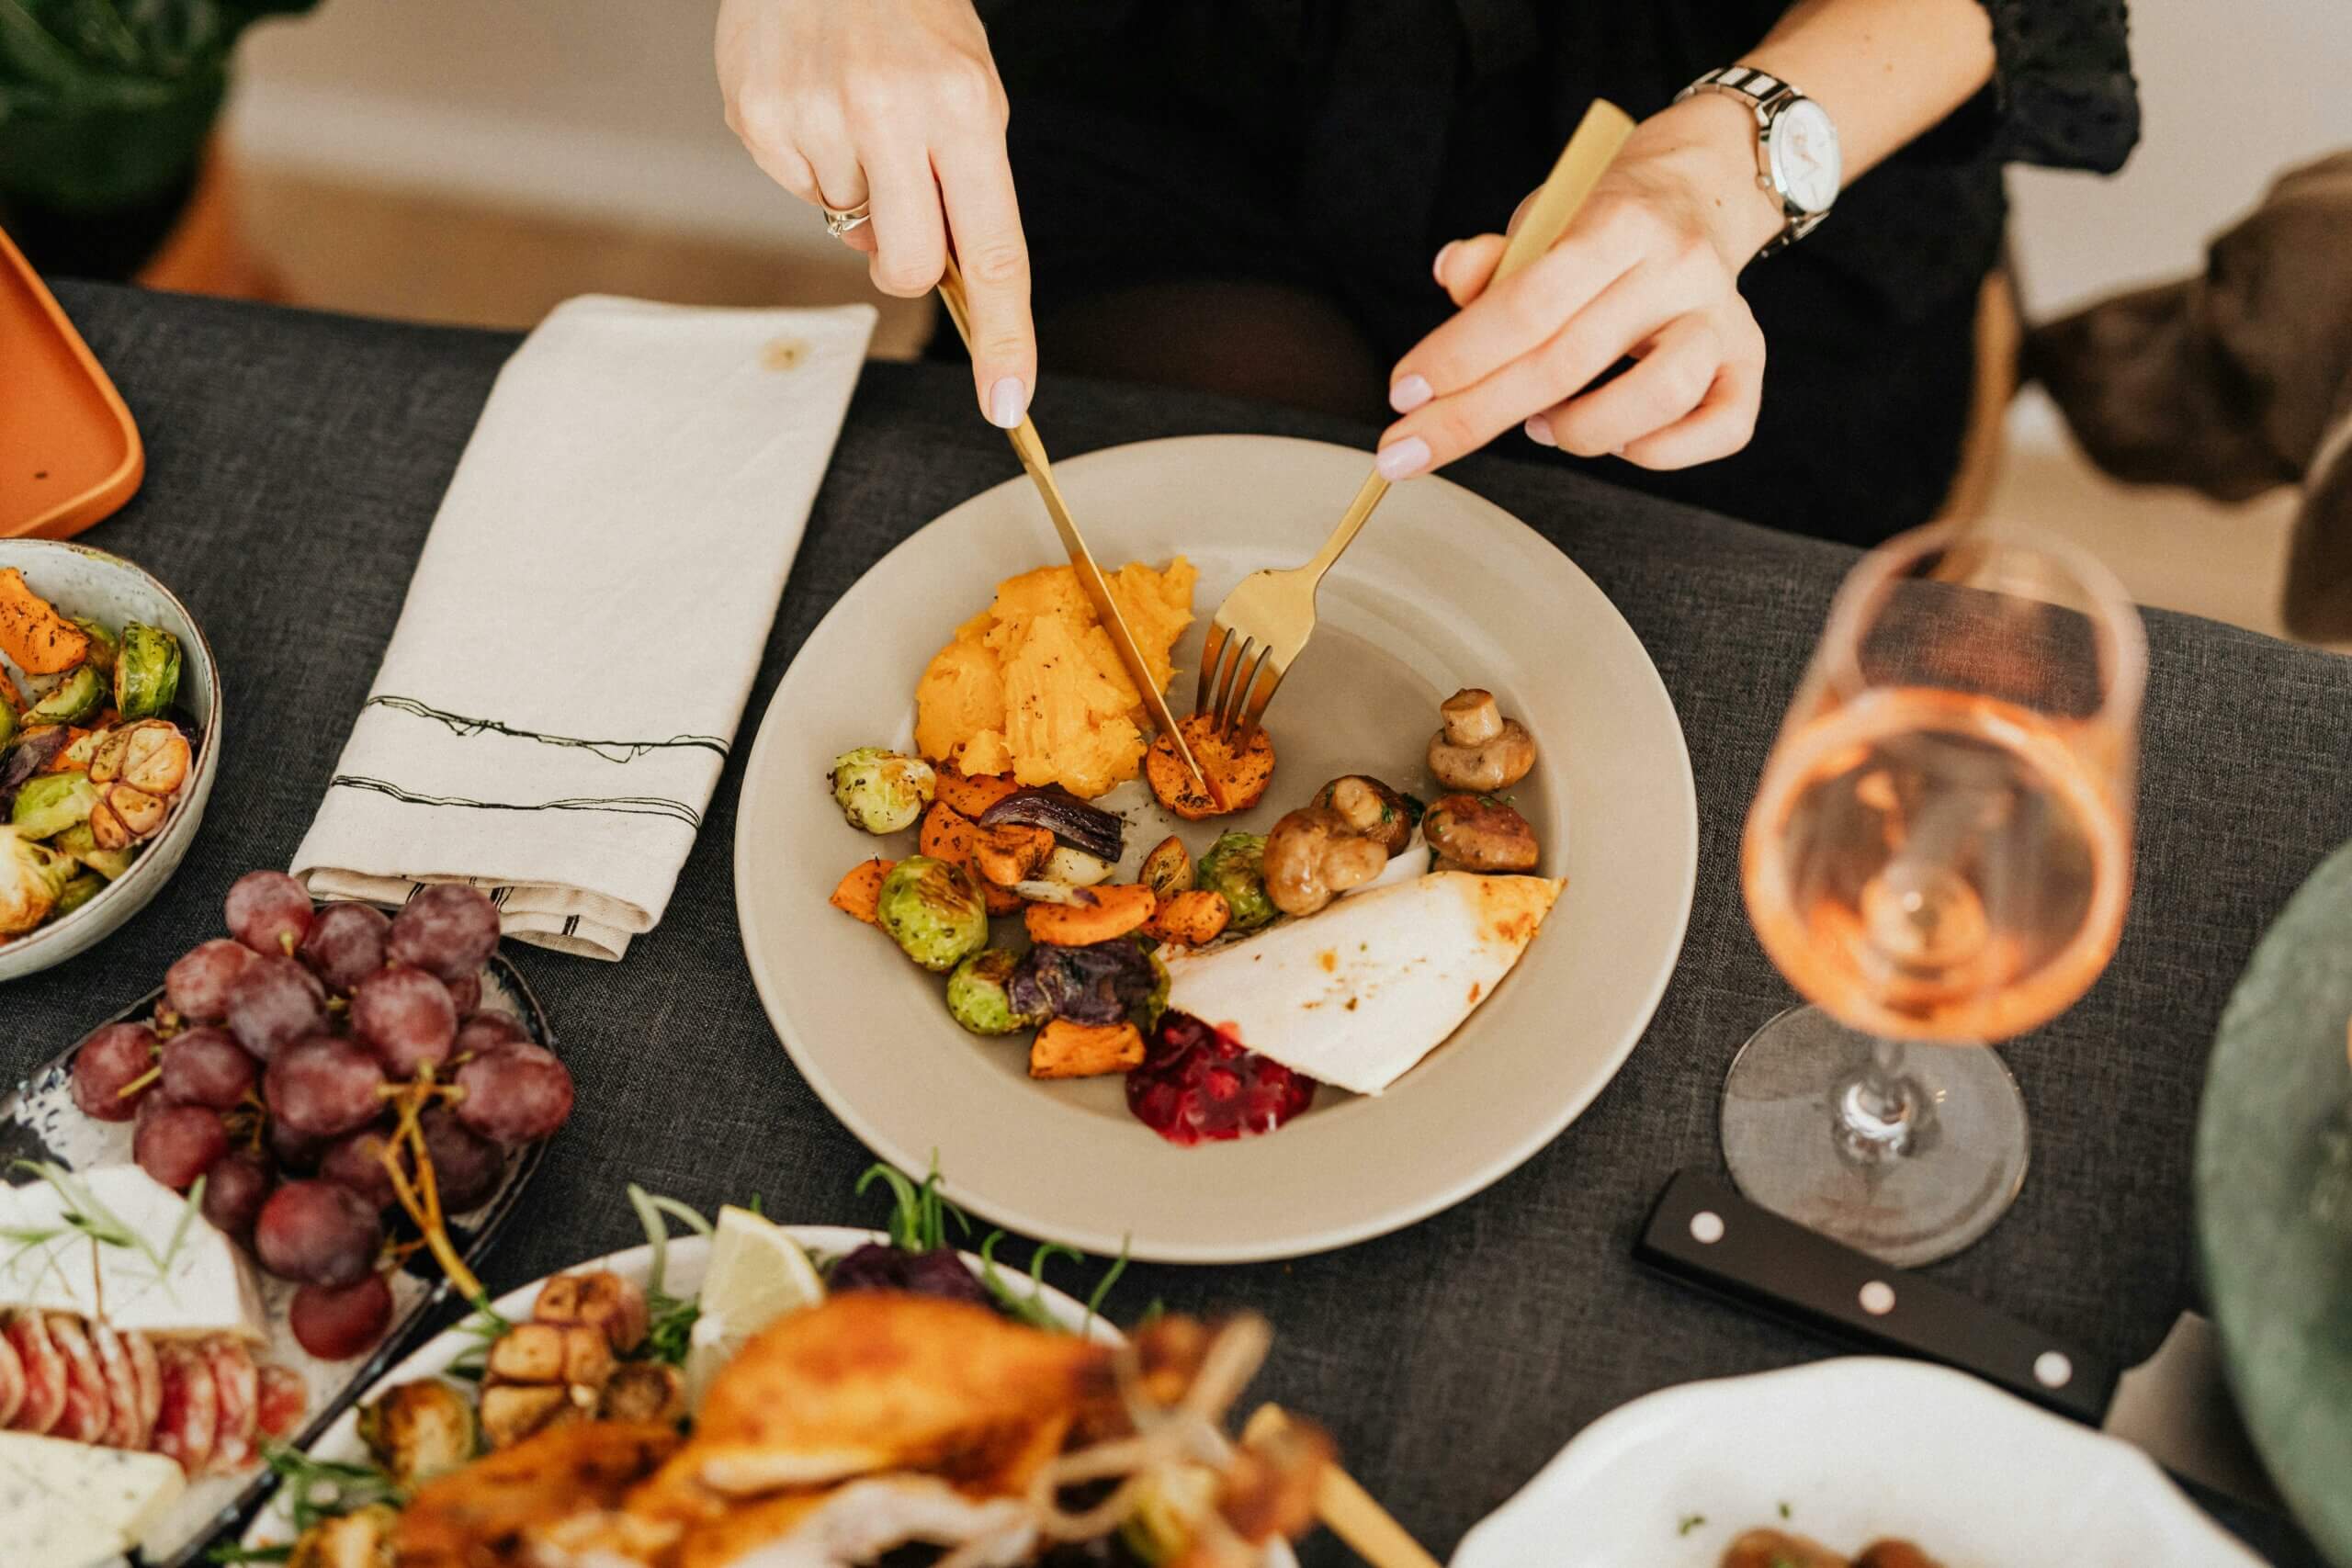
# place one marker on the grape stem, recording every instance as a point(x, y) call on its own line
point(422, 1201)
point(141, 1081)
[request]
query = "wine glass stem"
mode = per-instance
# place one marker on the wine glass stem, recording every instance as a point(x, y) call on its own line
point(1877, 1109)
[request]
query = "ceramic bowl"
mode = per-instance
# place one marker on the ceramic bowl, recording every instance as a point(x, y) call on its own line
point(1848, 1451)
point(82, 581)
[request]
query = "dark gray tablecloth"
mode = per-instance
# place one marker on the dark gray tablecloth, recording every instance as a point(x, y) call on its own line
point(294, 465)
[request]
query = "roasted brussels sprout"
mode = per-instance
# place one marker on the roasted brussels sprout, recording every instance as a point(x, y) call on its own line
point(882, 792)
point(358, 1539)
point(72, 700)
point(933, 911)
point(12, 710)
point(1234, 869)
point(82, 844)
point(32, 876)
point(84, 887)
point(976, 994)
point(53, 803)
point(420, 1430)
point(147, 672)
point(104, 646)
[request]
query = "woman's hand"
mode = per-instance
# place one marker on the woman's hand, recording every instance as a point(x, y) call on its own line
point(895, 103)
point(1648, 270)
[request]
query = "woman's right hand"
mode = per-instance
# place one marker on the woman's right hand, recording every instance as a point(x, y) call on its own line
point(894, 103)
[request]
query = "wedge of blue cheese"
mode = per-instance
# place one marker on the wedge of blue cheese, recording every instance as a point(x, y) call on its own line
point(178, 1275)
point(66, 1505)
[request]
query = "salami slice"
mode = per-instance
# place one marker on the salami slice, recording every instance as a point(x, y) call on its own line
point(44, 1398)
point(89, 1410)
point(190, 1416)
point(122, 1389)
point(148, 1374)
point(284, 1397)
point(234, 1378)
point(12, 1381)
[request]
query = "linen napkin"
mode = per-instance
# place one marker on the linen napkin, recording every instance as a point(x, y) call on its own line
point(587, 616)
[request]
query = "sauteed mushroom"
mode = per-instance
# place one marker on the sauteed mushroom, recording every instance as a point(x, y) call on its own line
point(1371, 808)
point(1314, 855)
point(1470, 832)
point(1479, 748)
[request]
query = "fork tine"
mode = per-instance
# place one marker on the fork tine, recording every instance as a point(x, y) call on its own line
point(1228, 700)
point(1212, 650)
point(1256, 710)
point(1236, 654)
point(1246, 681)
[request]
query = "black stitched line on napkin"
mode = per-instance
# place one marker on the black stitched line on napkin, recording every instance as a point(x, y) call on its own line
point(466, 728)
point(630, 805)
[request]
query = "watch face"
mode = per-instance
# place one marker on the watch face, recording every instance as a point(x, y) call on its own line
point(1804, 155)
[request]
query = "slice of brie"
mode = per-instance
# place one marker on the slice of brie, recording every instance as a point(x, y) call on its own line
point(1355, 994)
point(66, 1505)
point(205, 1286)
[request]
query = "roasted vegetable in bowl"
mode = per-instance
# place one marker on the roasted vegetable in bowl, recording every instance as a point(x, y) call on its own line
point(92, 768)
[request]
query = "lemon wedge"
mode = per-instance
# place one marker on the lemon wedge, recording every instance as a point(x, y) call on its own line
point(757, 1274)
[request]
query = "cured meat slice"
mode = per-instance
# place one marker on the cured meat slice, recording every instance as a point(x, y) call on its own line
point(44, 1369)
point(284, 1397)
point(12, 1381)
point(89, 1410)
point(190, 1417)
point(239, 1389)
point(148, 1374)
point(122, 1389)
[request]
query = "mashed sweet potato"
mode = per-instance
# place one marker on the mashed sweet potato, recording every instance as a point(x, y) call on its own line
point(1031, 687)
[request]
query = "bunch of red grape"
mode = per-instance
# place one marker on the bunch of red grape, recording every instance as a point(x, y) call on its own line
point(320, 1067)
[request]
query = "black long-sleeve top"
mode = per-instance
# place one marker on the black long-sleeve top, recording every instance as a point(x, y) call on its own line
point(1337, 143)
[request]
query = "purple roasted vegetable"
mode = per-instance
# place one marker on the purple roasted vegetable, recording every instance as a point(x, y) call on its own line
point(878, 1266)
point(33, 752)
point(1099, 984)
point(1087, 828)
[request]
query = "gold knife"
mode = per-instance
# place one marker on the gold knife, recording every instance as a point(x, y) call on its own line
point(1032, 453)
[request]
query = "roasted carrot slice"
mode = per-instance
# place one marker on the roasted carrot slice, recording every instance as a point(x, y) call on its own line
point(1099, 915)
point(973, 795)
point(33, 633)
point(1237, 777)
point(861, 890)
point(1067, 1050)
point(1192, 918)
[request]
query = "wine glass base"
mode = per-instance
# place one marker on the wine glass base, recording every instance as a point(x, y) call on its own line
point(1907, 1190)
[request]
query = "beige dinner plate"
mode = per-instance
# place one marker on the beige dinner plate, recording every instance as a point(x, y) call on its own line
point(1443, 589)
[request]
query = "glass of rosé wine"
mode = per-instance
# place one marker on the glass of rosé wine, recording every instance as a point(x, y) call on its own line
point(1939, 856)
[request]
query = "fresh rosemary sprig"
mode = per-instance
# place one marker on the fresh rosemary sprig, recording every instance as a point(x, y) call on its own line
point(320, 1489)
point(919, 1222)
point(86, 1214)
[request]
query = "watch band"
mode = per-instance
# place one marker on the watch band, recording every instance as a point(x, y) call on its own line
point(1766, 96)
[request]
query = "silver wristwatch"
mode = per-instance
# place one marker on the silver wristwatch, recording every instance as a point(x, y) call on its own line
point(1796, 146)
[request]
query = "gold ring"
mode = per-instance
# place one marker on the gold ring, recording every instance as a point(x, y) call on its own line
point(838, 223)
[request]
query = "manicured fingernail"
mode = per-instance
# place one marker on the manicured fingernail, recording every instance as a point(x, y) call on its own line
point(1008, 400)
point(1437, 267)
point(1540, 432)
point(1402, 459)
point(1408, 394)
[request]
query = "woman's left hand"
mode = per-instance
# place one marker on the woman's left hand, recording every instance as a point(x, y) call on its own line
point(1649, 271)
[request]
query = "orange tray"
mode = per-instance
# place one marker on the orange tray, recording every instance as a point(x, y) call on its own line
point(68, 453)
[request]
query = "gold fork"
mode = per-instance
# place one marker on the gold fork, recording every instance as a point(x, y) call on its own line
point(1265, 622)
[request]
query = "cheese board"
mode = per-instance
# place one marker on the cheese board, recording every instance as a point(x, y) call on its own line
point(175, 1280)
